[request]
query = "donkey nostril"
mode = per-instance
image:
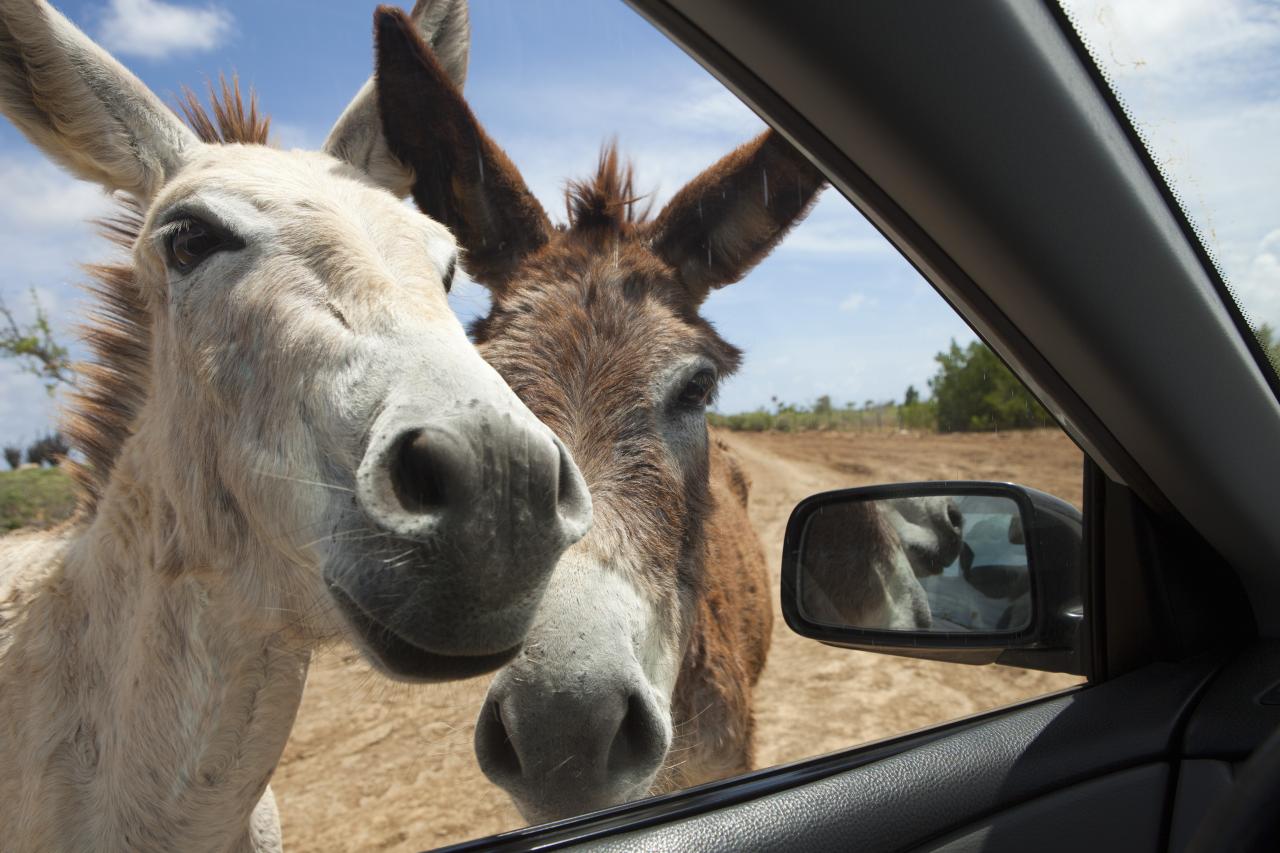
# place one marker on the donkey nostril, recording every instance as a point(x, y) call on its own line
point(500, 759)
point(413, 475)
point(638, 742)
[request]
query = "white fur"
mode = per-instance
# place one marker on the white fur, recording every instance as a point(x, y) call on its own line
point(152, 655)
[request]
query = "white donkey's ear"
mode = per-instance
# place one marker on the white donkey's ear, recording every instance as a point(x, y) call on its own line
point(84, 109)
point(357, 136)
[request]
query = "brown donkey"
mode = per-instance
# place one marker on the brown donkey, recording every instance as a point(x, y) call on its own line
point(656, 625)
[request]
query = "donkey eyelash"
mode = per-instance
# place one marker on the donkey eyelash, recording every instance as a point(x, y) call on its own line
point(708, 397)
point(181, 255)
point(181, 220)
point(174, 226)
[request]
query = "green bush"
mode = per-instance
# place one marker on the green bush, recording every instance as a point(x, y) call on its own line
point(823, 416)
point(918, 416)
point(1270, 343)
point(974, 391)
point(35, 497)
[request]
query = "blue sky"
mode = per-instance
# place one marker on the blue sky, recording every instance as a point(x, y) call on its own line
point(834, 310)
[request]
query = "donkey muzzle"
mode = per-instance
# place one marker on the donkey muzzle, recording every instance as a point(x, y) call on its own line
point(559, 750)
point(466, 515)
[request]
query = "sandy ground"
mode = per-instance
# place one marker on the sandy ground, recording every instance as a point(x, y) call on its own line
point(374, 765)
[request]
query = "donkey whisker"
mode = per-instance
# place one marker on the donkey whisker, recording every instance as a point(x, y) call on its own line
point(288, 479)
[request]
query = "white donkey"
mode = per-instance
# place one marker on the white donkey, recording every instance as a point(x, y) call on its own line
point(287, 438)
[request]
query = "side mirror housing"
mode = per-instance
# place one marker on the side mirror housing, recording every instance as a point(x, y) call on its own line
point(969, 572)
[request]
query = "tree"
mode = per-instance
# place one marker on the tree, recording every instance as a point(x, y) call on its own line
point(13, 455)
point(35, 347)
point(911, 397)
point(974, 391)
point(1270, 341)
point(51, 449)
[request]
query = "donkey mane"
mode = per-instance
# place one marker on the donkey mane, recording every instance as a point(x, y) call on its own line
point(607, 202)
point(117, 331)
point(231, 123)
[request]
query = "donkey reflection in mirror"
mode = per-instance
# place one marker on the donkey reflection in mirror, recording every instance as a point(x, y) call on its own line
point(863, 561)
point(287, 437)
point(639, 670)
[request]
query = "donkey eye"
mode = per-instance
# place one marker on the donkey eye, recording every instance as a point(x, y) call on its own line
point(191, 241)
point(697, 393)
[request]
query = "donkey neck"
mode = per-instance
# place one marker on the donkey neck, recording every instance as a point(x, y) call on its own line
point(153, 707)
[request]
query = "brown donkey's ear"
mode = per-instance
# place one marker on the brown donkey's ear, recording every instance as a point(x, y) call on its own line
point(357, 135)
point(461, 178)
point(726, 220)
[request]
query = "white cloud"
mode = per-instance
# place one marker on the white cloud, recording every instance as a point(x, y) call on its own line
point(39, 195)
point(154, 29)
point(289, 135)
point(1259, 287)
point(1199, 80)
point(835, 238)
point(709, 107)
point(1170, 36)
point(854, 301)
point(45, 223)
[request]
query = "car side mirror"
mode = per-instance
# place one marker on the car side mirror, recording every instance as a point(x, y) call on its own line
point(968, 572)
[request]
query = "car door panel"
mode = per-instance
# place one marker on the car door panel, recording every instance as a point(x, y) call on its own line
point(1241, 708)
point(1200, 782)
point(1050, 752)
point(1124, 809)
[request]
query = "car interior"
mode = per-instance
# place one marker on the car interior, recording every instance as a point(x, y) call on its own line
point(983, 142)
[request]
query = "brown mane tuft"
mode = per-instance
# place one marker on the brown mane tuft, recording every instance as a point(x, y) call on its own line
point(231, 122)
point(113, 383)
point(609, 200)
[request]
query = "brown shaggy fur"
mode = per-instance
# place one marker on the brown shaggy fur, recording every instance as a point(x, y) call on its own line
point(112, 386)
point(609, 201)
point(589, 319)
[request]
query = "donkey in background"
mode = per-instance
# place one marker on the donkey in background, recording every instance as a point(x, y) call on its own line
point(287, 437)
point(639, 670)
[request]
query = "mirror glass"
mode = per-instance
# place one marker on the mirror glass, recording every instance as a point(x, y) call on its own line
point(955, 563)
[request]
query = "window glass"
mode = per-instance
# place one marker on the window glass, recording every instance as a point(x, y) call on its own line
point(1200, 80)
point(854, 372)
point(841, 339)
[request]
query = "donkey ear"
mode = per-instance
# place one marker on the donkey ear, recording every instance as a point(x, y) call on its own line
point(726, 220)
point(461, 178)
point(357, 135)
point(81, 107)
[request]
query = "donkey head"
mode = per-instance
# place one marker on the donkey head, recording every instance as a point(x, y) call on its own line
point(596, 327)
point(931, 531)
point(313, 425)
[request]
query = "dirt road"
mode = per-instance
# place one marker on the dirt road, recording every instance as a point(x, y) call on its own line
point(373, 765)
